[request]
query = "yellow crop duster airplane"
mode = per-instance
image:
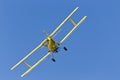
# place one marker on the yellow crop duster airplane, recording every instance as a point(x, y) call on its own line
point(50, 43)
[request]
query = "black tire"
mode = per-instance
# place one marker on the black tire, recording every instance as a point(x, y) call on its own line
point(53, 60)
point(65, 48)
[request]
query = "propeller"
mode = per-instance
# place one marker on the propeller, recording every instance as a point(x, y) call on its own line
point(46, 33)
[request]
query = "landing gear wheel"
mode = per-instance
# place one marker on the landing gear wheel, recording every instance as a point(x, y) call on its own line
point(65, 48)
point(53, 60)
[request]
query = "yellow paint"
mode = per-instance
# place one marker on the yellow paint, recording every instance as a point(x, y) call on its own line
point(51, 44)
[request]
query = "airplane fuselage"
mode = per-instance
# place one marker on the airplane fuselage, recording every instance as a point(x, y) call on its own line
point(52, 44)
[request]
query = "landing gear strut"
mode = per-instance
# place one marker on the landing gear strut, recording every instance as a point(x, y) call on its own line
point(53, 59)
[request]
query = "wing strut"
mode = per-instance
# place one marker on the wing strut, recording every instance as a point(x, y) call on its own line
point(38, 62)
point(75, 26)
point(22, 60)
point(64, 21)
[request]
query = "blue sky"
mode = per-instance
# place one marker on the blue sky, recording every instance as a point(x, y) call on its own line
point(93, 49)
